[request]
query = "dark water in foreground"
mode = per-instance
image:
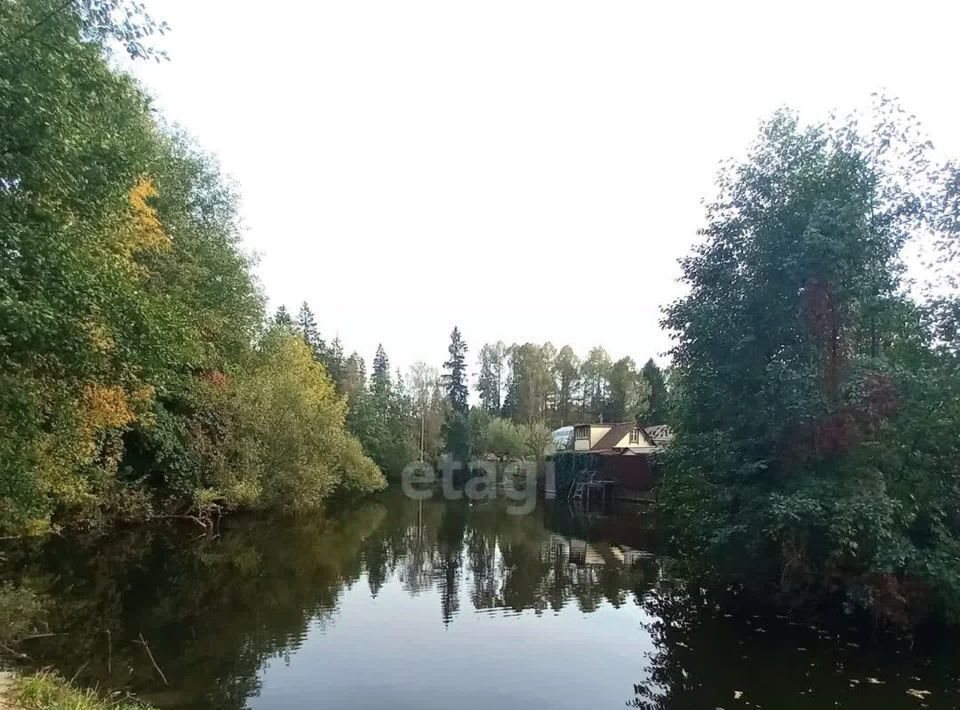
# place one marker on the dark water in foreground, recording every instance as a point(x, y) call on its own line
point(444, 605)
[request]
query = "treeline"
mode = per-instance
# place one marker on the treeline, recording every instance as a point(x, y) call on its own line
point(530, 382)
point(817, 400)
point(524, 391)
point(138, 373)
point(380, 405)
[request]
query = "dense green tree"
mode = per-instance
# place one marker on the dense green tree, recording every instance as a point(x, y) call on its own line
point(380, 385)
point(287, 403)
point(629, 392)
point(490, 379)
point(806, 378)
point(595, 373)
point(371, 409)
point(128, 312)
point(382, 414)
point(566, 368)
point(530, 389)
point(455, 377)
point(456, 436)
point(456, 429)
point(538, 442)
point(658, 410)
point(504, 439)
point(401, 423)
point(543, 384)
point(478, 421)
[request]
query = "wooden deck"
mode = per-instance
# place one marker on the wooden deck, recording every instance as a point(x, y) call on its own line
point(583, 490)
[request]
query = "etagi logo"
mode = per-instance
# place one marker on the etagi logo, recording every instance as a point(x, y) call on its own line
point(517, 482)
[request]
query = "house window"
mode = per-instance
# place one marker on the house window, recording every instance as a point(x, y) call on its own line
point(635, 436)
point(581, 432)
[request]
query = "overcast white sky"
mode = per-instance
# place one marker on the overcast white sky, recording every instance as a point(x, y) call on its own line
point(527, 170)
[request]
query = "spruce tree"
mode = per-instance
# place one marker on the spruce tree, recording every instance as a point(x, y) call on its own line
point(456, 429)
point(282, 317)
point(307, 325)
point(333, 359)
point(455, 379)
point(380, 378)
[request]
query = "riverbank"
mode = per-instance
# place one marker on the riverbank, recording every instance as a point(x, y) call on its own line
point(46, 691)
point(8, 692)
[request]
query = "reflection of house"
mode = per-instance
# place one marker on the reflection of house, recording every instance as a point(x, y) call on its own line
point(585, 553)
point(633, 557)
point(596, 554)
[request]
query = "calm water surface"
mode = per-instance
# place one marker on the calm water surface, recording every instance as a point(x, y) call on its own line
point(438, 605)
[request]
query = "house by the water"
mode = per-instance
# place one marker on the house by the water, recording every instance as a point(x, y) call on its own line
point(620, 452)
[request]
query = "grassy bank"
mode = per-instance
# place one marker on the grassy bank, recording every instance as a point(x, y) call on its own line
point(47, 691)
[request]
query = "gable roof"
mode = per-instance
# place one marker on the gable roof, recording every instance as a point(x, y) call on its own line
point(613, 437)
point(659, 433)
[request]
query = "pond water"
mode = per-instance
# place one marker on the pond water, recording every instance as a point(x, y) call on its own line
point(401, 604)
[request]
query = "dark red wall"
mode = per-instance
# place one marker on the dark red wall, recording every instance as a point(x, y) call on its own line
point(632, 472)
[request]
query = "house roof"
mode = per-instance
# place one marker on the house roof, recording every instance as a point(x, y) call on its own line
point(612, 437)
point(659, 433)
point(632, 451)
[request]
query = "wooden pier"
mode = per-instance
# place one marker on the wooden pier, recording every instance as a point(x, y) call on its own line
point(582, 490)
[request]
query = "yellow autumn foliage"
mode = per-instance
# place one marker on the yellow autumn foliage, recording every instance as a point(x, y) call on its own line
point(299, 451)
point(105, 406)
point(86, 435)
point(100, 338)
point(143, 233)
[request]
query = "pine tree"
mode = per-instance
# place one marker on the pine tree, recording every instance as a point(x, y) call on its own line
point(307, 325)
point(360, 410)
point(455, 379)
point(402, 403)
point(375, 420)
point(658, 393)
point(380, 378)
point(332, 359)
point(456, 429)
point(384, 418)
point(282, 317)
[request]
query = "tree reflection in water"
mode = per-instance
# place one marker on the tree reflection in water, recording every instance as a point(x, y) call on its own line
point(216, 611)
